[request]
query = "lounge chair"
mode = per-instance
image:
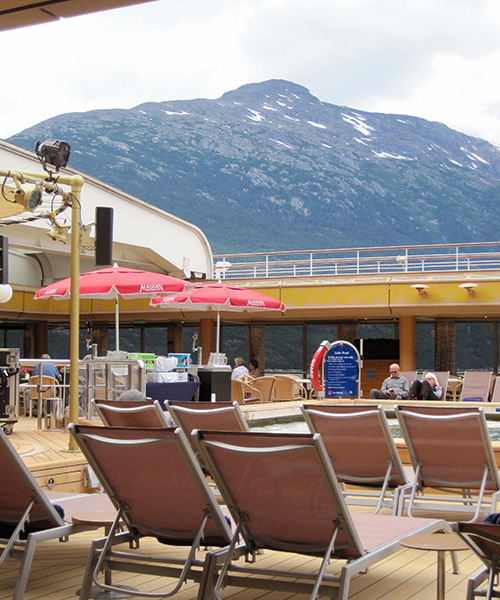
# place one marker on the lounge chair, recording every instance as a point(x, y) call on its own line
point(115, 413)
point(442, 379)
point(158, 489)
point(226, 416)
point(410, 376)
point(28, 515)
point(495, 397)
point(484, 540)
point(476, 386)
point(284, 496)
point(452, 453)
point(363, 453)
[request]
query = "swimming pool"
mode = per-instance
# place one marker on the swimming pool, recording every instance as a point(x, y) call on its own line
point(299, 426)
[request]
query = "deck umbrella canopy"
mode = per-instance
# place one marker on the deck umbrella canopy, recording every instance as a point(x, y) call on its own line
point(219, 297)
point(113, 282)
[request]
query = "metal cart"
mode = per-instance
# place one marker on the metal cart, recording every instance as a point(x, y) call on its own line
point(9, 388)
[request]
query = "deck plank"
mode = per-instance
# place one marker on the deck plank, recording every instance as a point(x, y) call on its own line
point(58, 568)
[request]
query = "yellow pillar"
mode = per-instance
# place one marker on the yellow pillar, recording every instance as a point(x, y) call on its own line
point(74, 324)
point(407, 344)
point(207, 339)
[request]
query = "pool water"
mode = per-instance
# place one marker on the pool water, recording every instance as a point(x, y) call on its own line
point(299, 426)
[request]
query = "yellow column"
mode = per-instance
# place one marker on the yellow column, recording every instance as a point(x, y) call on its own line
point(407, 344)
point(74, 324)
point(207, 338)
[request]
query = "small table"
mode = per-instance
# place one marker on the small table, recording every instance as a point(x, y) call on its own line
point(103, 518)
point(440, 543)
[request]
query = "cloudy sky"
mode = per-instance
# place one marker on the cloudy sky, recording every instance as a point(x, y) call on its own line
point(436, 59)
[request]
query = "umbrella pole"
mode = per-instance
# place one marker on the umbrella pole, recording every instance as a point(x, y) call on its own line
point(217, 345)
point(117, 323)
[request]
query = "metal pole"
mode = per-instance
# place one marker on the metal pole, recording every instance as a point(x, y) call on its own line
point(74, 324)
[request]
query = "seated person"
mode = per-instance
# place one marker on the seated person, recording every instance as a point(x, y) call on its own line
point(253, 368)
point(48, 369)
point(239, 371)
point(428, 389)
point(395, 387)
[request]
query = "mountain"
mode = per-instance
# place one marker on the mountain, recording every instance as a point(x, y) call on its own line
point(270, 167)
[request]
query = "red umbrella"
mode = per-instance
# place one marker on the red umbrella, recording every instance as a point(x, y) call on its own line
point(113, 282)
point(219, 296)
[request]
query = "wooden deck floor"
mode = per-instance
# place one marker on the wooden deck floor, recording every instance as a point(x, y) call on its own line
point(58, 568)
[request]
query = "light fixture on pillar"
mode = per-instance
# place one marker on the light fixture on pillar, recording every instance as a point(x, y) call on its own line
point(421, 289)
point(29, 196)
point(58, 232)
point(469, 286)
point(54, 153)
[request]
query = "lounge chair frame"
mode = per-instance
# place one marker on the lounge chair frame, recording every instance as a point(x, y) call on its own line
point(484, 540)
point(28, 516)
point(207, 415)
point(451, 453)
point(134, 414)
point(268, 519)
point(135, 506)
point(364, 455)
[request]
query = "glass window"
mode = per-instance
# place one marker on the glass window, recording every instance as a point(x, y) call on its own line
point(368, 331)
point(188, 333)
point(284, 348)
point(234, 342)
point(58, 342)
point(317, 334)
point(474, 346)
point(130, 339)
point(155, 340)
point(425, 333)
point(13, 338)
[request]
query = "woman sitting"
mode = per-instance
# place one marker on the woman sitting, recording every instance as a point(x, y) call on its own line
point(427, 389)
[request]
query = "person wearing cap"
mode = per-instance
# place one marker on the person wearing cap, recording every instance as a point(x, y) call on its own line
point(427, 389)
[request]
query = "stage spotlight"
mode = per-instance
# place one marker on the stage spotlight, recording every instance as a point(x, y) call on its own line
point(53, 152)
point(27, 196)
point(58, 232)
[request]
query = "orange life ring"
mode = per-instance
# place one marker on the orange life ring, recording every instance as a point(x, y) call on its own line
point(315, 366)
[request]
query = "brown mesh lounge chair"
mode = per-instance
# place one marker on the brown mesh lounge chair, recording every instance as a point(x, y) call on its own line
point(452, 453)
point(28, 515)
point(284, 496)
point(484, 540)
point(363, 453)
point(224, 416)
point(115, 413)
point(476, 386)
point(158, 489)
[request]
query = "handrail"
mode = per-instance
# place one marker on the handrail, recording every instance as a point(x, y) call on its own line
point(348, 261)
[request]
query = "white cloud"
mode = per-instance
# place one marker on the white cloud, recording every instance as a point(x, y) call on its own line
point(436, 59)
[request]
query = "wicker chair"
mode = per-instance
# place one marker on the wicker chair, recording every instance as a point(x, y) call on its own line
point(243, 393)
point(287, 388)
point(265, 386)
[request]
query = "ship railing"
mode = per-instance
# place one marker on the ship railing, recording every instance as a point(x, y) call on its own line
point(359, 261)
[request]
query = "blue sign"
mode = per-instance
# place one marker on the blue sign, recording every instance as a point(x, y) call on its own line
point(342, 371)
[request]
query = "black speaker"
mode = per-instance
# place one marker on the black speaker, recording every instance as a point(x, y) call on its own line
point(103, 235)
point(4, 259)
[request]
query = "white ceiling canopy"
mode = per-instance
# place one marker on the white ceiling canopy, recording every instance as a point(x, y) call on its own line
point(20, 13)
